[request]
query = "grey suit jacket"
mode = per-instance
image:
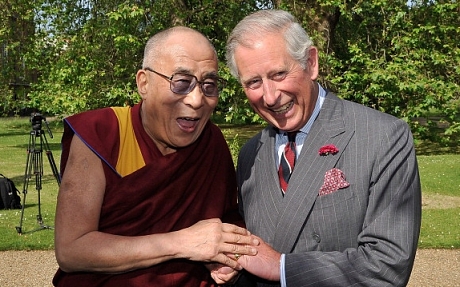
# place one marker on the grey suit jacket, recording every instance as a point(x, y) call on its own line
point(363, 235)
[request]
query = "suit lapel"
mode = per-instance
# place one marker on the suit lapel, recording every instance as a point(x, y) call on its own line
point(266, 203)
point(273, 194)
point(308, 175)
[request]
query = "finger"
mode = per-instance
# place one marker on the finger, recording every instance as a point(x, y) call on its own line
point(232, 256)
point(235, 256)
point(225, 270)
point(228, 261)
point(231, 228)
point(216, 278)
point(226, 278)
point(238, 249)
point(240, 239)
point(229, 278)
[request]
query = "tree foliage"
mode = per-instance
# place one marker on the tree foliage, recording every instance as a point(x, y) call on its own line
point(396, 56)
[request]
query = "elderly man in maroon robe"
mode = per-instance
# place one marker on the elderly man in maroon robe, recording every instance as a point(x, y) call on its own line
point(148, 193)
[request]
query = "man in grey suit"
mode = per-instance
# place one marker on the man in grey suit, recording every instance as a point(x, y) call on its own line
point(350, 214)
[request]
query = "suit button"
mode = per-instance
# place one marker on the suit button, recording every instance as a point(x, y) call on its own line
point(316, 237)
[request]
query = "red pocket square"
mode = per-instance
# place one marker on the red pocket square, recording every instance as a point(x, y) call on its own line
point(334, 179)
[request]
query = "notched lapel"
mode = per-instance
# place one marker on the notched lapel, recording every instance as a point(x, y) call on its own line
point(308, 175)
point(267, 175)
point(264, 142)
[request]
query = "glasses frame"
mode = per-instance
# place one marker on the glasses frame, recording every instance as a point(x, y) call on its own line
point(220, 83)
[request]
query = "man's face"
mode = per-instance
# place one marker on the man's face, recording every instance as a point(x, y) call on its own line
point(174, 120)
point(277, 87)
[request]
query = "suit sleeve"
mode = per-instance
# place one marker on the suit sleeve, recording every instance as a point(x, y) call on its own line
point(388, 239)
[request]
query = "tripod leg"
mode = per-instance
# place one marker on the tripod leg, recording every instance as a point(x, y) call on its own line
point(38, 171)
point(27, 174)
point(34, 165)
point(49, 154)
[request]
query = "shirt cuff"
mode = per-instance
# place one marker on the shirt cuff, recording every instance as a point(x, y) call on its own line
point(282, 271)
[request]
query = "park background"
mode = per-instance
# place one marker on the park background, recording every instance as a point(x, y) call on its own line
point(60, 57)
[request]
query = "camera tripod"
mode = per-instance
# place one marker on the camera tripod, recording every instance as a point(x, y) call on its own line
point(34, 166)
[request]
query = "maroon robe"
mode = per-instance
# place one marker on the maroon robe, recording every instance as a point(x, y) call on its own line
point(169, 193)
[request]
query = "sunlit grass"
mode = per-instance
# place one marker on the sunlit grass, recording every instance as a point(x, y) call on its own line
point(14, 143)
point(440, 228)
point(439, 174)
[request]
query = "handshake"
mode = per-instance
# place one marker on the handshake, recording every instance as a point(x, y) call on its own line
point(226, 249)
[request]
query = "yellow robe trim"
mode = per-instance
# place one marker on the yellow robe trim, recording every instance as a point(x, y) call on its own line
point(130, 157)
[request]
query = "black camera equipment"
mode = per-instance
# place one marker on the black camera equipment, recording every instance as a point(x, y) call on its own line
point(34, 165)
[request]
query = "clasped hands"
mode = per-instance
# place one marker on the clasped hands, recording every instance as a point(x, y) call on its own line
point(228, 248)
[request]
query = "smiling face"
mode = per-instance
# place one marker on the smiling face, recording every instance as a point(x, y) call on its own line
point(277, 87)
point(174, 120)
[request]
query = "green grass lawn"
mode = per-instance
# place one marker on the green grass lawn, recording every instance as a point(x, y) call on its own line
point(440, 178)
point(15, 134)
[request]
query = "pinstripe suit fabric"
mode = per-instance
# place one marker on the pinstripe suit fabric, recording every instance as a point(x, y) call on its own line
point(362, 235)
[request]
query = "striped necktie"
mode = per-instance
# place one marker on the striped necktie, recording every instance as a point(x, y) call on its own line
point(287, 162)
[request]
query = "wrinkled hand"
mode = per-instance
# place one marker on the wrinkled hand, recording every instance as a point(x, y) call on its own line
point(222, 274)
point(266, 264)
point(211, 241)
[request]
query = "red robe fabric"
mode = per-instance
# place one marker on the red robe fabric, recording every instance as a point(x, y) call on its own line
point(169, 193)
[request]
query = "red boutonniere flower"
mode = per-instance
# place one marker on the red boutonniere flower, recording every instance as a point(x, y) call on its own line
point(328, 149)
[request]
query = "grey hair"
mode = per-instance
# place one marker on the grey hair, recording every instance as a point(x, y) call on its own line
point(258, 24)
point(155, 45)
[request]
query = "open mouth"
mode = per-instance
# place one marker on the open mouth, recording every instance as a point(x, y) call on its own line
point(284, 108)
point(188, 124)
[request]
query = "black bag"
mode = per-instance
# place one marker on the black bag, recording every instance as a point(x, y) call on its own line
point(9, 194)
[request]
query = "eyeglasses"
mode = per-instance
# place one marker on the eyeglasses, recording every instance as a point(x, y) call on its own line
point(183, 84)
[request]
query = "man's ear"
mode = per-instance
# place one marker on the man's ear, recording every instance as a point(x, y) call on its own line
point(312, 63)
point(142, 83)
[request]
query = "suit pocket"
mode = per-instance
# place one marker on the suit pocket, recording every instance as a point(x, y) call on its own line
point(335, 198)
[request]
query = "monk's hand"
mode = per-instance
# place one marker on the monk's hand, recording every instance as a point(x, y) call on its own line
point(223, 274)
point(213, 241)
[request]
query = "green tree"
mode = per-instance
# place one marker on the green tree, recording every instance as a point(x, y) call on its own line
point(403, 60)
point(78, 55)
point(87, 52)
point(398, 58)
point(16, 37)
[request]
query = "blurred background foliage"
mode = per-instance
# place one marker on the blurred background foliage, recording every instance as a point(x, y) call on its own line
point(60, 57)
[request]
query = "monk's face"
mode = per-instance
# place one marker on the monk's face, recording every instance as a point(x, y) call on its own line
point(173, 120)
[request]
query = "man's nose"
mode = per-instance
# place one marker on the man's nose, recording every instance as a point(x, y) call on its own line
point(270, 95)
point(195, 98)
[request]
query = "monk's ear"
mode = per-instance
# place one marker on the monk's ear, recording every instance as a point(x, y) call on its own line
point(312, 63)
point(142, 83)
